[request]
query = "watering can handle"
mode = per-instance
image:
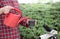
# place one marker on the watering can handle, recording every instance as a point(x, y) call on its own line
point(17, 10)
point(20, 13)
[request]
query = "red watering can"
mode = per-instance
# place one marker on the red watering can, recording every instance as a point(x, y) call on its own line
point(12, 20)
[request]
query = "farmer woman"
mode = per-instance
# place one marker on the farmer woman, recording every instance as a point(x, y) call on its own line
point(5, 31)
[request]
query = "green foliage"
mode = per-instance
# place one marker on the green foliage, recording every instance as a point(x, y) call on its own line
point(43, 13)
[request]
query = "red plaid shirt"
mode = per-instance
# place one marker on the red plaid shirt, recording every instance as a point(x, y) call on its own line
point(5, 31)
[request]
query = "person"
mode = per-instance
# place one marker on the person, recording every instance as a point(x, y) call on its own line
point(5, 31)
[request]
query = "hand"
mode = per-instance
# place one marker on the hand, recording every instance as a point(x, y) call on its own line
point(1, 11)
point(6, 9)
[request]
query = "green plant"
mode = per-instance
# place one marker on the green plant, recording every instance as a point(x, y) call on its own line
point(43, 13)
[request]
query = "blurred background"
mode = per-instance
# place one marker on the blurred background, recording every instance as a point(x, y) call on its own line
point(44, 11)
